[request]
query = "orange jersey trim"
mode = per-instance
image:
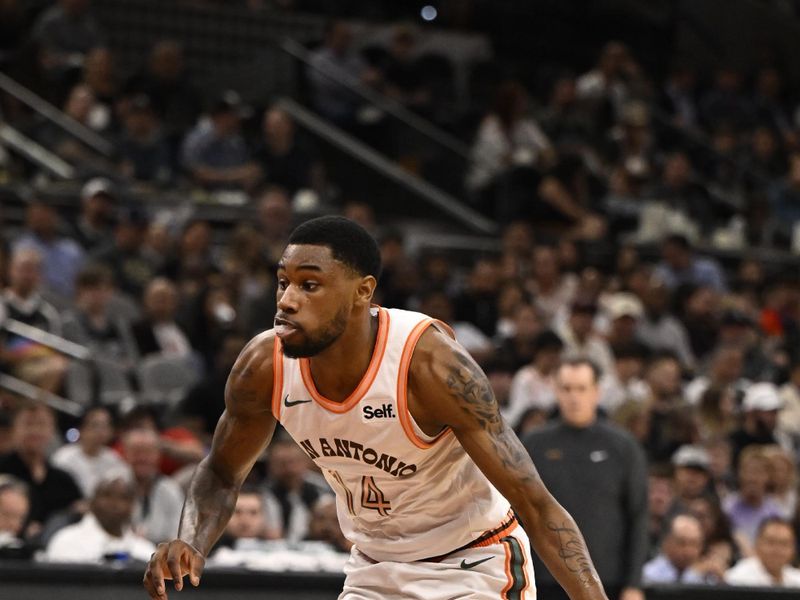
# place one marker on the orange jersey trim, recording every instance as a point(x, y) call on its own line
point(366, 380)
point(509, 576)
point(495, 539)
point(277, 378)
point(402, 388)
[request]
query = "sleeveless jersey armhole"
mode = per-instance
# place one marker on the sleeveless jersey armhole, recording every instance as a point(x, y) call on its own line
point(277, 379)
point(412, 430)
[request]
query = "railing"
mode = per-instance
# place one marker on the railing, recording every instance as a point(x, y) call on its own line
point(436, 198)
point(55, 116)
point(35, 153)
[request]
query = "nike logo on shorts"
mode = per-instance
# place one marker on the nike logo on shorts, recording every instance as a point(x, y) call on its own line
point(289, 403)
point(466, 565)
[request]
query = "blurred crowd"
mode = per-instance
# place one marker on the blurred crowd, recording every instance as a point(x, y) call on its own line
point(627, 205)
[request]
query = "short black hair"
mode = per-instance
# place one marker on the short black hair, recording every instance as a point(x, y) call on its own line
point(350, 244)
point(547, 340)
point(580, 361)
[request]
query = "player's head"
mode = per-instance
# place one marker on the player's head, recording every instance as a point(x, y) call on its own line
point(328, 271)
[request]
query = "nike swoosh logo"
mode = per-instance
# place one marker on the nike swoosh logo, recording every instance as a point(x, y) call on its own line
point(289, 403)
point(466, 565)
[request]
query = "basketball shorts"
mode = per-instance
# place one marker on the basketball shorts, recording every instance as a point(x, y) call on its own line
point(502, 570)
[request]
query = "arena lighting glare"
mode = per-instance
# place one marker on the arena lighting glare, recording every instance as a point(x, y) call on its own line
point(428, 12)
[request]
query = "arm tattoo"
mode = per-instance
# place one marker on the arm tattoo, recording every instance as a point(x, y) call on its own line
point(469, 385)
point(574, 553)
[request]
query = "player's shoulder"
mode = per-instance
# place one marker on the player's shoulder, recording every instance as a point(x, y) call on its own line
point(257, 357)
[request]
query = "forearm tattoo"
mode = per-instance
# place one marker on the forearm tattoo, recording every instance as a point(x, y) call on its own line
point(469, 385)
point(573, 551)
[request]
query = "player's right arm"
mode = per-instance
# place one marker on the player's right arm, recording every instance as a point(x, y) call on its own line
point(242, 434)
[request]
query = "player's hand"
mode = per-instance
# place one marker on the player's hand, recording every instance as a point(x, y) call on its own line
point(172, 560)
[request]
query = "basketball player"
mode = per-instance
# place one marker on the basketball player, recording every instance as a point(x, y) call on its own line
point(403, 424)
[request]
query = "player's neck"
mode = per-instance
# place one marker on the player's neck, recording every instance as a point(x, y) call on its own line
point(338, 370)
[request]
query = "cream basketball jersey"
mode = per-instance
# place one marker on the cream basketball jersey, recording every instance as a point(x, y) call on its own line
point(401, 495)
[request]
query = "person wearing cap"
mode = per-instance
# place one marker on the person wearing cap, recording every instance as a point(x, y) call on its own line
point(750, 504)
point(143, 149)
point(92, 229)
point(624, 311)
point(691, 476)
point(580, 338)
point(215, 153)
point(789, 415)
point(760, 407)
point(598, 472)
point(738, 328)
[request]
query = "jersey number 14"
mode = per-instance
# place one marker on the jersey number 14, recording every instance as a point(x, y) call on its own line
point(372, 497)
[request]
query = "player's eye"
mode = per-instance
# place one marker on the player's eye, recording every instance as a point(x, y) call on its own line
point(282, 284)
point(310, 286)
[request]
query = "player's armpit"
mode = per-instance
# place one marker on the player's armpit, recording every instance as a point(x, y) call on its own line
point(447, 388)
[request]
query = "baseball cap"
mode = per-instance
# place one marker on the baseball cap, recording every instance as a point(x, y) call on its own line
point(762, 396)
point(692, 456)
point(96, 186)
point(624, 304)
point(230, 101)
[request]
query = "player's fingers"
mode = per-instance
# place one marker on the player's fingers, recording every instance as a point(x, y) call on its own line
point(196, 565)
point(174, 559)
point(154, 578)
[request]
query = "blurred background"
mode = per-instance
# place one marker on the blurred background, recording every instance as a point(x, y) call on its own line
point(618, 179)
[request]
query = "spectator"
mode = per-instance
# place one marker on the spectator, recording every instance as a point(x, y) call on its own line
point(158, 499)
point(166, 81)
point(144, 152)
point(62, 258)
point(580, 452)
point(402, 78)
point(724, 372)
point(789, 415)
point(104, 533)
point(192, 260)
point(717, 414)
point(607, 85)
point(549, 286)
point(248, 521)
point(691, 476)
point(782, 479)
point(518, 350)
point(100, 74)
point(438, 305)
point(14, 507)
point(720, 550)
point(783, 201)
point(565, 120)
point(725, 103)
point(126, 258)
point(671, 423)
point(760, 408)
point(624, 311)
point(93, 324)
point(66, 32)
point(93, 230)
point(681, 266)
point(534, 384)
point(580, 339)
point(750, 504)
point(738, 329)
point(680, 551)
point(660, 498)
point(771, 565)
point(678, 97)
point(507, 138)
point(680, 190)
point(291, 490)
point(51, 489)
point(624, 382)
point(283, 161)
point(158, 332)
point(700, 317)
point(660, 329)
point(478, 303)
point(28, 360)
point(334, 63)
point(275, 220)
point(215, 153)
point(325, 527)
point(89, 458)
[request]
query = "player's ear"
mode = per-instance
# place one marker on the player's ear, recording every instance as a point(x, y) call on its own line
point(365, 290)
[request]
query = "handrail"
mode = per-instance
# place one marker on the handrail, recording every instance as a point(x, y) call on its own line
point(48, 339)
point(54, 115)
point(344, 141)
point(32, 392)
point(35, 152)
point(389, 105)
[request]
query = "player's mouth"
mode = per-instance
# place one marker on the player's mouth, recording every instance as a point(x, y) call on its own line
point(284, 328)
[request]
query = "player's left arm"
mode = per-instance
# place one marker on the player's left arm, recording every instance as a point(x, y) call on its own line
point(449, 389)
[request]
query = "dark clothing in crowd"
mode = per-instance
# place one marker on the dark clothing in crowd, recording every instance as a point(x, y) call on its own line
point(598, 474)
